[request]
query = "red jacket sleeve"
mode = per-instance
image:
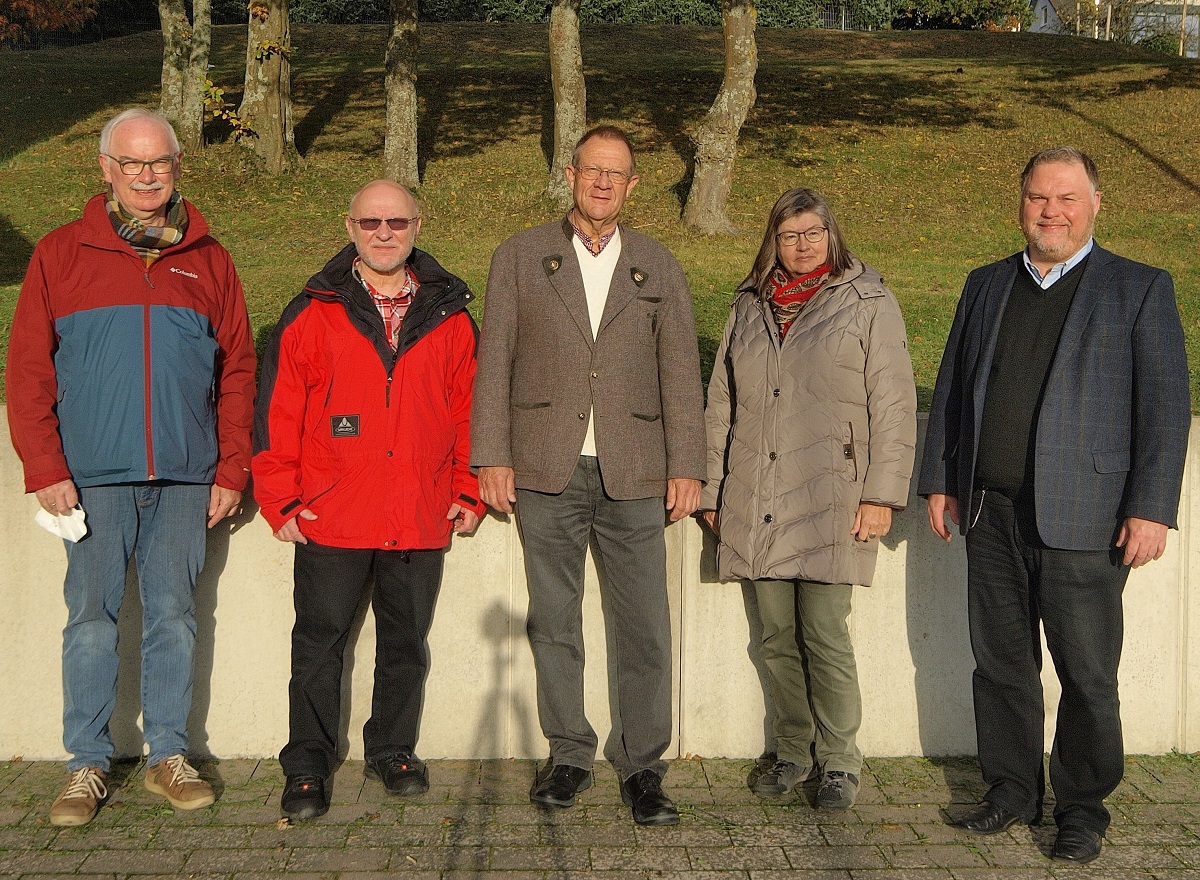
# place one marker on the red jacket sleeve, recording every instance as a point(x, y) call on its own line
point(234, 385)
point(31, 385)
point(279, 427)
point(461, 380)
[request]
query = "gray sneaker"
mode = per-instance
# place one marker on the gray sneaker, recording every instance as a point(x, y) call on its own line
point(838, 790)
point(780, 779)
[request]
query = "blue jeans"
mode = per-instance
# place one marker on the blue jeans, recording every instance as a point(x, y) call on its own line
point(163, 528)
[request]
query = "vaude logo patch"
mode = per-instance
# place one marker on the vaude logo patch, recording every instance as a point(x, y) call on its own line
point(343, 426)
point(178, 271)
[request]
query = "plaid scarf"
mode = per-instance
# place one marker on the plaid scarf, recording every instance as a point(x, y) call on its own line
point(149, 241)
point(788, 295)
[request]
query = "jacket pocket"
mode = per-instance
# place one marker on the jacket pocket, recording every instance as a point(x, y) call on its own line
point(529, 425)
point(1111, 462)
point(648, 318)
point(850, 453)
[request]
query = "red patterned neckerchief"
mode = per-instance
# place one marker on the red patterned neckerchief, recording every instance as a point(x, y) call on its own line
point(588, 241)
point(788, 295)
point(392, 308)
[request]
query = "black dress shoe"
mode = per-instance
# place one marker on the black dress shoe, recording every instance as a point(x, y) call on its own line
point(1076, 844)
point(556, 785)
point(643, 791)
point(305, 797)
point(987, 818)
point(403, 775)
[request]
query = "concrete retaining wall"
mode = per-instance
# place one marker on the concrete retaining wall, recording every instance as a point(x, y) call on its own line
point(909, 630)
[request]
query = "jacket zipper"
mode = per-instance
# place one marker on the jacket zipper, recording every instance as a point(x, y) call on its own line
point(146, 375)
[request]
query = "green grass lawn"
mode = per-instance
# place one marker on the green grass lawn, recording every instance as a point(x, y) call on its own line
point(916, 138)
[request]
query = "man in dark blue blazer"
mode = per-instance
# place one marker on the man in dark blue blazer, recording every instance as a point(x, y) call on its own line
point(1056, 444)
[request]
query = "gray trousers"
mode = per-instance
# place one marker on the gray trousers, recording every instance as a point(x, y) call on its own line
point(814, 679)
point(630, 551)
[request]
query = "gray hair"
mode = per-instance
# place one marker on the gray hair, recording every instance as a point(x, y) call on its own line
point(1069, 155)
point(605, 133)
point(791, 204)
point(106, 133)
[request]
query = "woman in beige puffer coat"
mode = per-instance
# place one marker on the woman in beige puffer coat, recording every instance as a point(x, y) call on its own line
point(811, 423)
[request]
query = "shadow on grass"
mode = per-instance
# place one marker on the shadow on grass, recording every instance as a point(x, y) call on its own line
point(331, 94)
point(1190, 183)
point(45, 95)
point(1087, 91)
point(15, 251)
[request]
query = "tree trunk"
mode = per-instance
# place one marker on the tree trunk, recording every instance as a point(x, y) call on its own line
point(400, 83)
point(570, 94)
point(185, 67)
point(717, 138)
point(267, 100)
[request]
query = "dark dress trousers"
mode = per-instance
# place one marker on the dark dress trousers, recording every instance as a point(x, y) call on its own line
point(540, 373)
point(1109, 442)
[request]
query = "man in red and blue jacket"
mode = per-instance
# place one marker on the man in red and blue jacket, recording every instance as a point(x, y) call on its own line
point(130, 385)
point(361, 459)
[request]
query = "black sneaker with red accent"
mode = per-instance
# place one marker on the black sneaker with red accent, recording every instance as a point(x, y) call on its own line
point(305, 797)
point(403, 775)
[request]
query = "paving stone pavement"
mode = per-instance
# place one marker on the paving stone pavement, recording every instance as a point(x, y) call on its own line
point(476, 820)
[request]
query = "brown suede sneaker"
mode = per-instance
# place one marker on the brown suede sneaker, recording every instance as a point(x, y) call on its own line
point(177, 780)
point(81, 799)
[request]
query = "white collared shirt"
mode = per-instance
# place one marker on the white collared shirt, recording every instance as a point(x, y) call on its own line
point(1059, 270)
point(597, 271)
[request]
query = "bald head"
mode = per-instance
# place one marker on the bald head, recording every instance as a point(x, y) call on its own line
point(385, 189)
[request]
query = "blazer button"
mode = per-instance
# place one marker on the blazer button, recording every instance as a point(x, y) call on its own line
point(583, 415)
point(767, 518)
point(595, 375)
point(775, 393)
point(773, 456)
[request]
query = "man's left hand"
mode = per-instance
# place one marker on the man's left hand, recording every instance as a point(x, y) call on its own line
point(683, 497)
point(222, 502)
point(465, 520)
point(1143, 539)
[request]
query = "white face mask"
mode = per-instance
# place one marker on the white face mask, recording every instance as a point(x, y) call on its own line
point(69, 526)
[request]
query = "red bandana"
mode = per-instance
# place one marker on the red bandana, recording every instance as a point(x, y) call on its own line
point(788, 296)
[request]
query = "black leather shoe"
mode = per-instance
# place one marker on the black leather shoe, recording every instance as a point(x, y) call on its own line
point(557, 785)
point(305, 797)
point(403, 775)
point(1076, 844)
point(987, 818)
point(643, 791)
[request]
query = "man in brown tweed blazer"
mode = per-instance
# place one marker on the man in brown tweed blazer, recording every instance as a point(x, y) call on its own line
point(587, 419)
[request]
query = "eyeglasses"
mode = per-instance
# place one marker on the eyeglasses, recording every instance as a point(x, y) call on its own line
point(396, 224)
point(791, 239)
point(591, 172)
point(134, 167)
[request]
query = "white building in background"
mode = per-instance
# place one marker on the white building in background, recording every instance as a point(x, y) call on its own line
point(1046, 19)
point(1050, 17)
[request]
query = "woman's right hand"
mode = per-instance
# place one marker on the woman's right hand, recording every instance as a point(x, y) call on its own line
point(713, 519)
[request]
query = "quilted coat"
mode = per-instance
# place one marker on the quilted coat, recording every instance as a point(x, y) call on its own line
point(801, 431)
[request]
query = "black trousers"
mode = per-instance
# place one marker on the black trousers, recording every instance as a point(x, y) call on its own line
point(1014, 582)
point(329, 584)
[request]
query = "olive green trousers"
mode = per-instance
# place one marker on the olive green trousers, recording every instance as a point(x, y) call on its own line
point(809, 658)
